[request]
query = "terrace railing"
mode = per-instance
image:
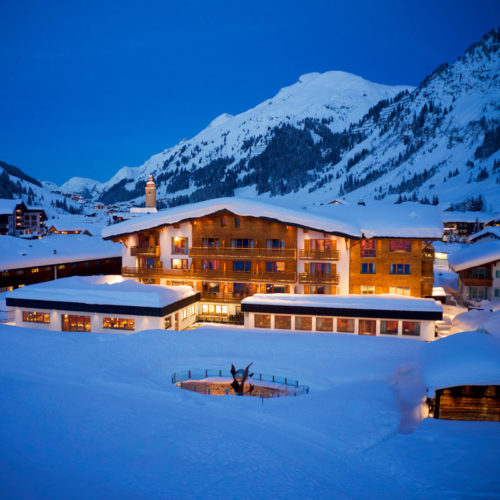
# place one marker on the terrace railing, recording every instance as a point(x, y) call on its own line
point(319, 254)
point(240, 253)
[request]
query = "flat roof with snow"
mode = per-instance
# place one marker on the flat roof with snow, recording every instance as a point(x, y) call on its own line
point(475, 254)
point(466, 358)
point(378, 219)
point(106, 294)
point(359, 306)
point(17, 253)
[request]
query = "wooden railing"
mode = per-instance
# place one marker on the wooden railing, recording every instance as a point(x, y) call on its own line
point(210, 274)
point(240, 253)
point(332, 279)
point(145, 251)
point(319, 254)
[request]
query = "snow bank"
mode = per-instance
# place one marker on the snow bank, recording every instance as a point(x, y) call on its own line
point(467, 358)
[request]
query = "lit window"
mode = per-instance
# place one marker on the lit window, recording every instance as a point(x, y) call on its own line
point(118, 323)
point(367, 289)
point(262, 321)
point(168, 322)
point(179, 245)
point(275, 267)
point(36, 317)
point(35, 270)
point(388, 327)
point(324, 324)
point(345, 325)
point(411, 328)
point(367, 327)
point(368, 248)
point(74, 323)
point(303, 323)
point(400, 246)
point(283, 322)
point(400, 290)
point(180, 264)
point(210, 264)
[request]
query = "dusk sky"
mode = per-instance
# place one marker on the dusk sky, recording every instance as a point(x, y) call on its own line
point(88, 87)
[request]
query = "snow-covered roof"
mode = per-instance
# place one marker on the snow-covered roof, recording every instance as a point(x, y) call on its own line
point(8, 206)
point(143, 210)
point(380, 219)
point(107, 290)
point(382, 302)
point(467, 358)
point(475, 254)
point(466, 217)
point(493, 231)
point(54, 249)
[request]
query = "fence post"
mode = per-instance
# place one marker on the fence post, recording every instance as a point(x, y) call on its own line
point(206, 372)
point(273, 378)
point(220, 373)
point(286, 381)
point(189, 374)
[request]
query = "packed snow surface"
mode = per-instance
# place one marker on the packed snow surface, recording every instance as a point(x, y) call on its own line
point(379, 219)
point(467, 358)
point(54, 249)
point(475, 254)
point(109, 290)
point(384, 302)
point(96, 416)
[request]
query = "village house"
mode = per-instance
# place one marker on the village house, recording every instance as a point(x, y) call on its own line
point(16, 218)
point(478, 268)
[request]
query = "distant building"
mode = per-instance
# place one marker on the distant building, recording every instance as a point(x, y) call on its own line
point(16, 218)
point(150, 207)
point(463, 224)
point(478, 268)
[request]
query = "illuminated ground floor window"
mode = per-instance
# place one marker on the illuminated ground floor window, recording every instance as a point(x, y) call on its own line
point(74, 323)
point(283, 322)
point(262, 321)
point(214, 309)
point(36, 317)
point(118, 323)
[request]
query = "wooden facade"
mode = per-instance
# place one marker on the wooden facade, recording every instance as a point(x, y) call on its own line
point(383, 265)
point(466, 402)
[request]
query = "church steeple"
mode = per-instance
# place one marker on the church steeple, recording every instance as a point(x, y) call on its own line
point(150, 193)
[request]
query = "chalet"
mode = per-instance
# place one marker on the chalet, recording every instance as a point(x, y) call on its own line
point(102, 304)
point(16, 218)
point(478, 268)
point(229, 248)
point(463, 224)
point(462, 376)
point(488, 233)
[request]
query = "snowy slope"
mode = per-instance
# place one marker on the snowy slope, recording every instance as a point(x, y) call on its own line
point(81, 185)
point(96, 416)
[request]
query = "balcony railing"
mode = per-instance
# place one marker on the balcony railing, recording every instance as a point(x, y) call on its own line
point(250, 253)
point(319, 254)
point(145, 251)
point(332, 279)
point(210, 274)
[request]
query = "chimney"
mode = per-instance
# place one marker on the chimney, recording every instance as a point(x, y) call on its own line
point(150, 193)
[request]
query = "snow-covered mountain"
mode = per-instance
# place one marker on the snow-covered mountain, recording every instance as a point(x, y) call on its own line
point(15, 184)
point(89, 188)
point(340, 136)
point(335, 98)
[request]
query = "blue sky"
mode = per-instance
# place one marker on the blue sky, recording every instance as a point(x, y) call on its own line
point(87, 87)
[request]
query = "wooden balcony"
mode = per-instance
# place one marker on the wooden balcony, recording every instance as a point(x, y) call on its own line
point(234, 297)
point(428, 254)
point(243, 253)
point(482, 282)
point(209, 275)
point(319, 254)
point(145, 251)
point(331, 279)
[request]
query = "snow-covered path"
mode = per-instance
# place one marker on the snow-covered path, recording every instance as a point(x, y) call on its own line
point(95, 416)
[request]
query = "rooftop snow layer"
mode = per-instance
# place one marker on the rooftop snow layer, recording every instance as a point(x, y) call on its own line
point(378, 219)
point(54, 249)
point(108, 290)
point(466, 217)
point(467, 358)
point(8, 206)
point(385, 302)
point(493, 231)
point(475, 254)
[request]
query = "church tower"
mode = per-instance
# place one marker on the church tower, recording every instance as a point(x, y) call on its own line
point(150, 193)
